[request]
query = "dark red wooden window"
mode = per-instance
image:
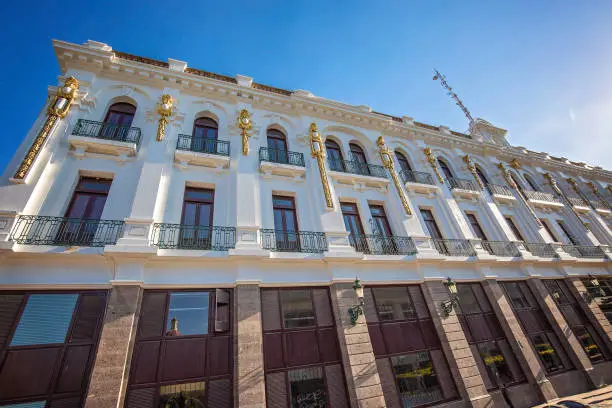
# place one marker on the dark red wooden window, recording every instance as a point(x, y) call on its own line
point(89, 198)
point(403, 161)
point(120, 114)
point(487, 340)
point(302, 358)
point(514, 229)
point(353, 225)
point(536, 326)
point(285, 223)
point(445, 169)
point(476, 226)
point(407, 347)
point(47, 360)
point(183, 349)
point(334, 156)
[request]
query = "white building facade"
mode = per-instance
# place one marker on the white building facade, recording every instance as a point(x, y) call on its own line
point(168, 233)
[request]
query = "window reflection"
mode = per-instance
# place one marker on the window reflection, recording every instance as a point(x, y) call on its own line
point(188, 313)
point(547, 353)
point(393, 303)
point(496, 364)
point(297, 308)
point(416, 379)
point(307, 388)
point(190, 395)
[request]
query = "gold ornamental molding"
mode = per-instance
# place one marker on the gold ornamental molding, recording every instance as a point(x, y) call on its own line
point(515, 164)
point(317, 150)
point(387, 161)
point(507, 176)
point(245, 124)
point(64, 98)
point(431, 158)
point(472, 168)
point(164, 108)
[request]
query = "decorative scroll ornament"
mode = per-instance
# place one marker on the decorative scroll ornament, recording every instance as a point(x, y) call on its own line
point(317, 150)
point(507, 175)
point(164, 108)
point(433, 162)
point(472, 169)
point(245, 125)
point(515, 164)
point(387, 161)
point(609, 188)
point(56, 111)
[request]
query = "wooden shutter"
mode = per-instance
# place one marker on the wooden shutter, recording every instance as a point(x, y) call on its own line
point(9, 308)
point(418, 302)
point(377, 339)
point(218, 356)
point(276, 390)
point(494, 326)
point(90, 312)
point(27, 372)
point(336, 386)
point(301, 348)
point(141, 398)
point(183, 358)
point(152, 314)
point(430, 336)
point(387, 381)
point(411, 336)
point(66, 403)
point(443, 374)
point(144, 362)
point(393, 336)
point(478, 327)
point(328, 345)
point(273, 350)
point(481, 298)
point(219, 393)
point(370, 306)
point(222, 311)
point(515, 368)
point(322, 307)
point(270, 310)
point(73, 369)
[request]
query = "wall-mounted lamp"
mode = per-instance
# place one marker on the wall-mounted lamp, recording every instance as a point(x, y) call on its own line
point(357, 310)
point(593, 291)
point(453, 302)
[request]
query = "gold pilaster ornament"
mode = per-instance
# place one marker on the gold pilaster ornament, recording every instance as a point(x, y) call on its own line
point(164, 108)
point(387, 161)
point(507, 175)
point(553, 183)
point(56, 111)
point(433, 162)
point(515, 164)
point(609, 188)
point(472, 168)
point(245, 125)
point(317, 150)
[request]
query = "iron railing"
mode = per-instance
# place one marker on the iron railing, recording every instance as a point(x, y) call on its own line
point(584, 251)
point(379, 244)
point(541, 249)
point(179, 236)
point(598, 203)
point(293, 241)
point(356, 167)
point(576, 201)
point(281, 156)
point(203, 145)
point(61, 231)
point(501, 248)
point(107, 131)
point(409, 176)
point(541, 196)
point(462, 184)
point(454, 247)
point(496, 189)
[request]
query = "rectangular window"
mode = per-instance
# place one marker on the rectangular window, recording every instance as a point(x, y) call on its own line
point(307, 387)
point(352, 223)
point(89, 198)
point(393, 303)
point(430, 224)
point(570, 237)
point(516, 295)
point(187, 314)
point(514, 228)
point(197, 218)
point(416, 379)
point(183, 395)
point(547, 353)
point(297, 308)
point(381, 224)
point(496, 365)
point(478, 232)
point(285, 223)
point(549, 230)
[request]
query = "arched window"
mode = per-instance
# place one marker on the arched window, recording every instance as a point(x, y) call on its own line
point(121, 113)
point(481, 175)
point(515, 179)
point(334, 156)
point(403, 161)
point(445, 169)
point(530, 181)
point(358, 158)
point(277, 146)
point(204, 136)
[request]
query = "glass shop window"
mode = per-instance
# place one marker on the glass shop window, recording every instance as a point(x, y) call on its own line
point(416, 379)
point(547, 353)
point(183, 395)
point(297, 308)
point(307, 387)
point(188, 313)
point(517, 298)
point(394, 303)
point(495, 363)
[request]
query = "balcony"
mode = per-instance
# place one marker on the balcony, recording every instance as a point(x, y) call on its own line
point(281, 162)
point(418, 181)
point(293, 241)
point(178, 236)
point(584, 251)
point(383, 245)
point(501, 248)
point(578, 203)
point(600, 205)
point(61, 231)
point(541, 250)
point(104, 138)
point(358, 174)
point(454, 247)
point(542, 199)
point(501, 194)
point(201, 151)
point(463, 188)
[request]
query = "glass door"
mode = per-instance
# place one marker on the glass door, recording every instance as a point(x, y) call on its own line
point(285, 224)
point(353, 225)
point(196, 224)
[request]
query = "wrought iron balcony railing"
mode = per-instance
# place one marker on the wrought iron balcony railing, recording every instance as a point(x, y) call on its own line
point(383, 245)
point(576, 201)
point(598, 203)
point(541, 249)
point(462, 184)
point(454, 247)
point(107, 131)
point(541, 196)
point(584, 251)
point(500, 190)
point(179, 236)
point(293, 241)
point(203, 145)
point(356, 167)
point(409, 176)
point(61, 231)
point(281, 156)
point(501, 248)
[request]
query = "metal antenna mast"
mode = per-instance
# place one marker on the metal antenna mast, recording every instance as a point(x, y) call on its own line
point(453, 95)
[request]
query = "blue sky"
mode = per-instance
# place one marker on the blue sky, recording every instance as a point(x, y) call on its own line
point(542, 70)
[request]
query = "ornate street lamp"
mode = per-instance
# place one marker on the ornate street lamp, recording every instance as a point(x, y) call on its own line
point(593, 291)
point(453, 302)
point(357, 310)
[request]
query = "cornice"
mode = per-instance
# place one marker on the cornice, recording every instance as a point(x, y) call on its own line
point(131, 68)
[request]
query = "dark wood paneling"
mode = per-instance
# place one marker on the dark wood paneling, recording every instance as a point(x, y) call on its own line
point(413, 340)
point(218, 360)
point(443, 374)
point(301, 348)
point(144, 362)
point(9, 307)
point(66, 403)
point(378, 342)
point(328, 344)
point(322, 307)
point(220, 394)
point(478, 327)
point(273, 351)
point(91, 311)
point(393, 336)
point(27, 372)
point(152, 313)
point(430, 336)
point(270, 310)
point(183, 358)
point(336, 386)
point(141, 398)
point(494, 326)
point(73, 369)
point(276, 390)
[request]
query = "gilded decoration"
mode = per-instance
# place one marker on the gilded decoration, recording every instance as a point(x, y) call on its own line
point(507, 175)
point(245, 124)
point(515, 164)
point(431, 158)
point(317, 150)
point(164, 108)
point(472, 168)
point(387, 161)
point(64, 98)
